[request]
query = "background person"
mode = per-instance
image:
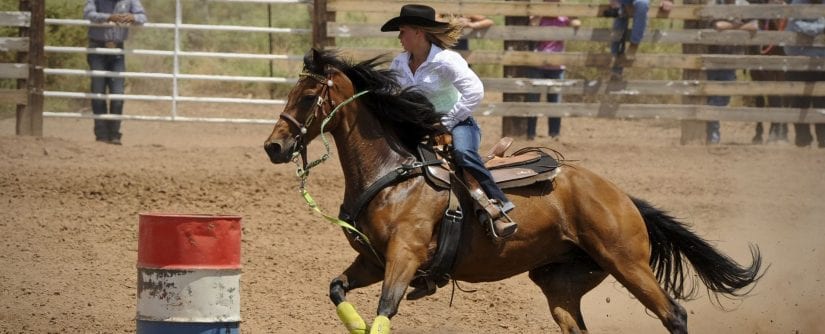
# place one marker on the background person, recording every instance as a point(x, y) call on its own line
point(713, 132)
point(638, 10)
point(474, 22)
point(121, 13)
point(812, 28)
point(548, 72)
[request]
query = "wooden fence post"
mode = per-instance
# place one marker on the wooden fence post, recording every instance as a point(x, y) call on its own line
point(515, 127)
point(30, 116)
point(693, 131)
point(320, 17)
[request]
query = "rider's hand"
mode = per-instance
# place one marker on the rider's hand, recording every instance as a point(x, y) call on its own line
point(441, 135)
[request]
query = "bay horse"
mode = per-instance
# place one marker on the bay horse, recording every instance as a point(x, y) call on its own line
point(574, 230)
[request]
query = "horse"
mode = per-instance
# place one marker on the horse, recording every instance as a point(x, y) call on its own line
point(574, 230)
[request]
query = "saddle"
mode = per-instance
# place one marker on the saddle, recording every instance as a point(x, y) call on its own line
point(524, 167)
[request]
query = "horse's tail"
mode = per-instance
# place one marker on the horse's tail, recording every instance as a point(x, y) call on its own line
point(673, 245)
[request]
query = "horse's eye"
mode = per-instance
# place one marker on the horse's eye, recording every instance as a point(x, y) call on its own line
point(307, 101)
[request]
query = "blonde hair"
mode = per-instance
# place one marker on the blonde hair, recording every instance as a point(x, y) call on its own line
point(444, 37)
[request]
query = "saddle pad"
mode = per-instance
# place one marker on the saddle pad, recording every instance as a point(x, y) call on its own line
point(527, 166)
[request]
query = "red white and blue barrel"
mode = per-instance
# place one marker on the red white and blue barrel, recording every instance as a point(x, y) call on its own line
point(189, 269)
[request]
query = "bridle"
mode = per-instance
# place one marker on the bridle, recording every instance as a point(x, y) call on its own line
point(316, 112)
point(301, 146)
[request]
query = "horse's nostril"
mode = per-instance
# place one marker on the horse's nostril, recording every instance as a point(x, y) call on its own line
point(272, 148)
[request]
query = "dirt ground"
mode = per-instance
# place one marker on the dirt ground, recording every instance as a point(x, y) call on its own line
point(68, 236)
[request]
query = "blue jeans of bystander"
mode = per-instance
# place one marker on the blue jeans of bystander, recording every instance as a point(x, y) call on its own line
point(713, 135)
point(621, 23)
point(553, 123)
point(106, 130)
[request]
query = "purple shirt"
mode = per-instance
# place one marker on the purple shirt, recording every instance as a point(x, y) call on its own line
point(552, 21)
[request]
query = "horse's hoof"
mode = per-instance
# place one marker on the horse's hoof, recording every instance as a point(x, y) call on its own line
point(381, 325)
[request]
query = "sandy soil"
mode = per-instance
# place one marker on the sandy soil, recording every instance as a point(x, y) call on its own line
point(70, 205)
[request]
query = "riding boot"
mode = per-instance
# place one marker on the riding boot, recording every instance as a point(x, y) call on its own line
point(494, 214)
point(505, 227)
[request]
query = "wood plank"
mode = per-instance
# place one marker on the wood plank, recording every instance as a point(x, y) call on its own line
point(656, 111)
point(603, 35)
point(605, 60)
point(14, 71)
point(653, 87)
point(15, 19)
point(13, 96)
point(14, 44)
point(495, 8)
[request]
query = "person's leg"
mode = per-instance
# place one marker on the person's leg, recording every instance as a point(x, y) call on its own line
point(619, 27)
point(640, 8)
point(98, 86)
point(819, 103)
point(554, 123)
point(713, 134)
point(802, 131)
point(116, 86)
point(466, 141)
point(533, 73)
point(775, 132)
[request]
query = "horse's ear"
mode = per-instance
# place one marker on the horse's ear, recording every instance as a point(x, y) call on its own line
point(317, 59)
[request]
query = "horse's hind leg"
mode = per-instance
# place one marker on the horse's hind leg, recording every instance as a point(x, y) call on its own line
point(627, 260)
point(564, 284)
point(360, 273)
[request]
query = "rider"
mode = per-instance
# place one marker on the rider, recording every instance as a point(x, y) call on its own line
point(444, 77)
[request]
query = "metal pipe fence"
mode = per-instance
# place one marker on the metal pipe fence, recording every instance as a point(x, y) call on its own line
point(175, 76)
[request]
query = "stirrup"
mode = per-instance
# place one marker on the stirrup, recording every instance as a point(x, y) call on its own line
point(504, 218)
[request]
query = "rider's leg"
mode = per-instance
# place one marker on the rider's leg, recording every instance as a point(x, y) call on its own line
point(466, 142)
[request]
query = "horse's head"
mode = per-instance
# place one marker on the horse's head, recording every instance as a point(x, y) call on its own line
point(321, 85)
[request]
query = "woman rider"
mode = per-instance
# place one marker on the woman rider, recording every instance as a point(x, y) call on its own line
point(445, 78)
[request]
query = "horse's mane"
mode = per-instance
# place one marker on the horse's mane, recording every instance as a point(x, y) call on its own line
point(406, 112)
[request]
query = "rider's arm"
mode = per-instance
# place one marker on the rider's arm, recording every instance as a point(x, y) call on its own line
point(469, 86)
point(666, 5)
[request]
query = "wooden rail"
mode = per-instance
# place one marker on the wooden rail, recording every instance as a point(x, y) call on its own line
point(611, 94)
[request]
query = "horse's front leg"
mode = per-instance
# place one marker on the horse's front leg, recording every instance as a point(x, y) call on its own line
point(404, 256)
point(360, 273)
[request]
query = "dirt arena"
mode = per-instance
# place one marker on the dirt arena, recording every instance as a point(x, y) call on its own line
point(70, 212)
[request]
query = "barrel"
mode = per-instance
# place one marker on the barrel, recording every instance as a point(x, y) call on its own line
point(189, 269)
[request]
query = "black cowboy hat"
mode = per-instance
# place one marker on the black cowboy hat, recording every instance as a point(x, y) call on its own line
point(417, 15)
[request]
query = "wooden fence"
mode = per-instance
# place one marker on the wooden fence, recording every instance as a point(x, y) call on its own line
point(28, 68)
point(612, 98)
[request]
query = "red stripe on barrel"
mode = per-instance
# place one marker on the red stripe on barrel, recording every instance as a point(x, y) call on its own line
point(169, 241)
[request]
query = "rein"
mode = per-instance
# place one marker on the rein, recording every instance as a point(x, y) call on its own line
point(304, 168)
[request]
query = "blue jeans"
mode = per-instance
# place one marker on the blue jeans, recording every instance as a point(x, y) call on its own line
point(466, 141)
point(713, 135)
point(803, 130)
point(107, 129)
point(620, 24)
point(553, 123)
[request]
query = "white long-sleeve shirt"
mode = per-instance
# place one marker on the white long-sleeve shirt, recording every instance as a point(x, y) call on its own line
point(446, 80)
